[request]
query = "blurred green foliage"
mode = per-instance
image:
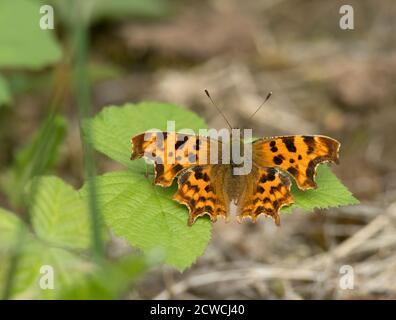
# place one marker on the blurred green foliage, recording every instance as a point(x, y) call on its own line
point(54, 227)
point(59, 237)
point(23, 44)
point(38, 156)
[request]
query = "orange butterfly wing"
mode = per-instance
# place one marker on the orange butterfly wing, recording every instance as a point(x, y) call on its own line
point(201, 190)
point(171, 152)
point(267, 190)
point(298, 155)
point(209, 189)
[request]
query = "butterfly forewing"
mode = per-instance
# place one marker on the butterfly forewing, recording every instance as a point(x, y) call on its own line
point(298, 155)
point(172, 152)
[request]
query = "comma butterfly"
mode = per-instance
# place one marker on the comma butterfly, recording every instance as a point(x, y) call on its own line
point(209, 187)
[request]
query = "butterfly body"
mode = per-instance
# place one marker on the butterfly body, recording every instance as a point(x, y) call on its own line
point(254, 176)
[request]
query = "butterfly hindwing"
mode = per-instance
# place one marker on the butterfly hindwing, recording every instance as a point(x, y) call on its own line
point(298, 155)
point(171, 152)
point(267, 190)
point(201, 190)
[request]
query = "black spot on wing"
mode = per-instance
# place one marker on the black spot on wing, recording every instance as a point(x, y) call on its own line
point(277, 160)
point(310, 169)
point(191, 187)
point(274, 189)
point(259, 209)
point(310, 142)
point(263, 179)
point(271, 174)
point(180, 142)
point(293, 171)
point(177, 168)
point(197, 144)
point(198, 173)
point(289, 143)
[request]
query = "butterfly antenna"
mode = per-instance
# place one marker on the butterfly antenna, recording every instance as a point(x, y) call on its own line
point(265, 100)
point(218, 109)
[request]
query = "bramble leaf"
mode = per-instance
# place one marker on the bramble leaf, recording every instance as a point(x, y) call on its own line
point(33, 253)
point(330, 193)
point(148, 218)
point(59, 215)
point(111, 130)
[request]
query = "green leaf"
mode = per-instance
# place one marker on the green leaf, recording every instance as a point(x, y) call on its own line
point(9, 226)
point(59, 226)
point(330, 193)
point(107, 281)
point(68, 268)
point(59, 215)
point(34, 253)
point(5, 94)
point(23, 43)
point(111, 130)
point(148, 218)
point(36, 157)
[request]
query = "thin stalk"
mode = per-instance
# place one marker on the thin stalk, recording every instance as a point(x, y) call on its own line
point(82, 92)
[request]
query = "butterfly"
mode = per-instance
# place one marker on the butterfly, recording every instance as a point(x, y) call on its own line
point(209, 188)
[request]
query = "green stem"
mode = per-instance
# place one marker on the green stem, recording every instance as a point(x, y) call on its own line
point(82, 91)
